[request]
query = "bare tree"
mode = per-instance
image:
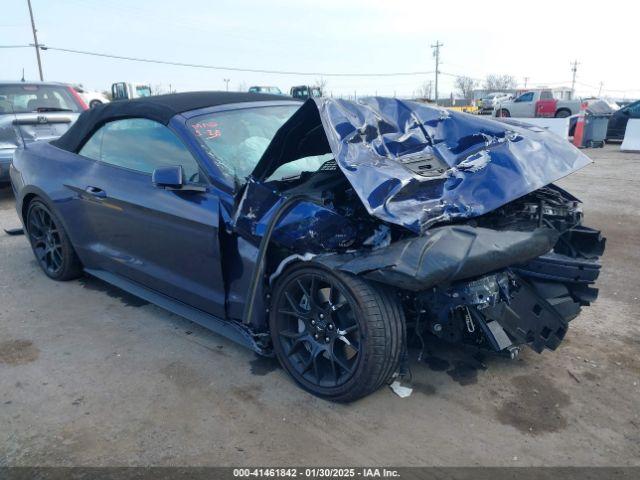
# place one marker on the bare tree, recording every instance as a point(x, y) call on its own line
point(241, 87)
point(465, 86)
point(322, 83)
point(157, 89)
point(496, 83)
point(424, 90)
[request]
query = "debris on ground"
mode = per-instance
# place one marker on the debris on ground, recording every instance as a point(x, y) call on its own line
point(401, 390)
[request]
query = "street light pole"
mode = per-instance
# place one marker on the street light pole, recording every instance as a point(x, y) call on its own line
point(35, 40)
point(226, 81)
point(436, 53)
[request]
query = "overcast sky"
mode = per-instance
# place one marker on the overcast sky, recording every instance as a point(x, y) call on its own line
point(538, 39)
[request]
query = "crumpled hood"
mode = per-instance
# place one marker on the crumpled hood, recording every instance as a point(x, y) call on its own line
point(415, 165)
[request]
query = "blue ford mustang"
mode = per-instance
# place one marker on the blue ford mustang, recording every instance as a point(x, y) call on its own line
point(331, 234)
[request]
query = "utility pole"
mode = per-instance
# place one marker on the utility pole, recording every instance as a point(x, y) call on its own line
point(526, 80)
point(226, 81)
point(600, 89)
point(574, 69)
point(436, 53)
point(35, 40)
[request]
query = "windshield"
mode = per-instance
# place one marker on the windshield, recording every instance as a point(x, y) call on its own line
point(237, 139)
point(143, 90)
point(273, 90)
point(25, 98)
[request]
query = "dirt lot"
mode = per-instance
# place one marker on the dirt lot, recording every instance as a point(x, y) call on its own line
point(92, 376)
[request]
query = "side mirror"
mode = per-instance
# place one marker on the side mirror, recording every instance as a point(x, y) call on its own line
point(168, 177)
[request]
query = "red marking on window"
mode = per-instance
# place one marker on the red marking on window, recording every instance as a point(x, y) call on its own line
point(206, 129)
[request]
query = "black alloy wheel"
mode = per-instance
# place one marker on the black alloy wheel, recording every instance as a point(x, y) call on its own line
point(50, 244)
point(327, 329)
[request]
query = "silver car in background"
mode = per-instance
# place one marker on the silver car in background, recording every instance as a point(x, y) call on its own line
point(490, 101)
point(31, 111)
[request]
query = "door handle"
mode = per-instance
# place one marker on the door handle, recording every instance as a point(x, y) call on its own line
point(96, 192)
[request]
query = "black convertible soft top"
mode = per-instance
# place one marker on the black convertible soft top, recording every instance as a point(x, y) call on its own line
point(160, 108)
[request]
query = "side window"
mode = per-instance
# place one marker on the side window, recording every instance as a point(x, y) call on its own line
point(92, 148)
point(142, 145)
point(525, 97)
point(546, 95)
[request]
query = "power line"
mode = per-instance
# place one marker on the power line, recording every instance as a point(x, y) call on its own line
point(285, 72)
point(234, 69)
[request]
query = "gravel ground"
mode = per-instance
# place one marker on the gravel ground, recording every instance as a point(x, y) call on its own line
point(92, 376)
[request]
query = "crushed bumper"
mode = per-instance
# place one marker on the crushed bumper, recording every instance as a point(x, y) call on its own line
point(489, 288)
point(445, 255)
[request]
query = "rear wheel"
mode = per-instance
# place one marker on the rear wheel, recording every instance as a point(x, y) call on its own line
point(504, 113)
point(50, 243)
point(94, 103)
point(563, 113)
point(339, 336)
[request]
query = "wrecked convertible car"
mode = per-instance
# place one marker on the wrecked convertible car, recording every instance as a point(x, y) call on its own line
point(329, 233)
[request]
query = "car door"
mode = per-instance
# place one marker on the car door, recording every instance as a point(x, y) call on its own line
point(523, 106)
point(166, 240)
point(546, 106)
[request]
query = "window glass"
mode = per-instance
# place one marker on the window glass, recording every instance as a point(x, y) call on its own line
point(295, 168)
point(142, 145)
point(237, 139)
point(525, 97)
point(23, 98)
point(120, 91)
point(634, 109)
point(92, 148)
point(300, 92)
point(546, 95)
point(143, 90)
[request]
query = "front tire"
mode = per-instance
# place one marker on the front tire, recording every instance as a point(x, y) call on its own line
point(504, 113)
point(339, 336)
point(94, 103)
point(50, 243)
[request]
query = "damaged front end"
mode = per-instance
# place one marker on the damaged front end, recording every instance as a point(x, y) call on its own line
point(458, 214)
point(515, 276)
